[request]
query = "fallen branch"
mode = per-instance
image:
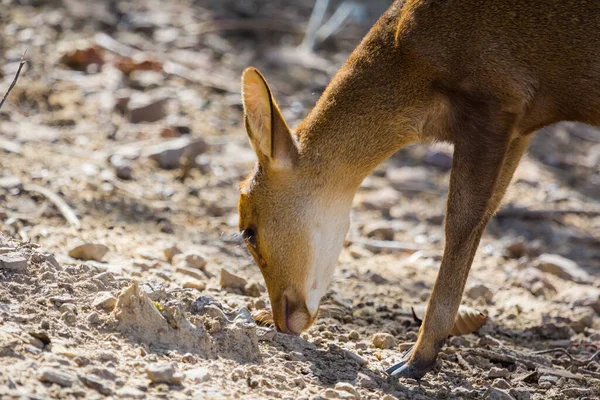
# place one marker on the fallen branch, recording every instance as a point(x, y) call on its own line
point(55, 199)
point(14, 82)
point(522, 212)
point(574, 360)
point(247, 24)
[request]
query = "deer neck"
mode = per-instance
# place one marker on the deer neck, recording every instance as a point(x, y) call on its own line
point(361, 119)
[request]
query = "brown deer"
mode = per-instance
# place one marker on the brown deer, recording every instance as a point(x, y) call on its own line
point(482, 75)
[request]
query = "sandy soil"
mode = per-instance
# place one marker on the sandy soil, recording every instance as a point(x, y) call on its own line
point(148, 151)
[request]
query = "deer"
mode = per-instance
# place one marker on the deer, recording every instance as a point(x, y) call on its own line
point(483, 76)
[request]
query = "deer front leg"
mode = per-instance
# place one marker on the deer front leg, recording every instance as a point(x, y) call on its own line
point(480, 175)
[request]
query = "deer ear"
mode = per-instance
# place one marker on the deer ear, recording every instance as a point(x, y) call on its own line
point(268, 133)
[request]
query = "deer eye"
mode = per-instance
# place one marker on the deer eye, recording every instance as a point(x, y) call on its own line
point(249, 237)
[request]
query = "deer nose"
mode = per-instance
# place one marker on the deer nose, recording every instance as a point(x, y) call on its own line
point(295, 316)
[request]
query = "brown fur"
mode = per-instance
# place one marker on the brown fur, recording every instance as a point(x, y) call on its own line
point(483, 75)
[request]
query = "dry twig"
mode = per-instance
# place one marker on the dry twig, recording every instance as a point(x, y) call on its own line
point(60, 204)
point(574, 360)
point(14, 82)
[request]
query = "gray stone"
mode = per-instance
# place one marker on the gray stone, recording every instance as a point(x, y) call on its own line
point(89, 252)
point(198, 375)
point(97, 384)
point(562, 267)
point(497, 394)
point(13, 261)
point(231, 281)
point(143, 108)
point(496, 372)
point(164, 373)
point(480, 291)
point(383, 340)
point(52, 375)
point(105, 301)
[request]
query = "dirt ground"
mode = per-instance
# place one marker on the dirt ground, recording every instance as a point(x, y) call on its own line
point(124, 134)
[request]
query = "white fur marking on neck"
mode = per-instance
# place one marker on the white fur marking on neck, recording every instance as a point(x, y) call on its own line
point(330, 224)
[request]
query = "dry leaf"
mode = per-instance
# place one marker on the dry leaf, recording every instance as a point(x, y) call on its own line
point(81, 59)
point(128, 65)
point(468, 320)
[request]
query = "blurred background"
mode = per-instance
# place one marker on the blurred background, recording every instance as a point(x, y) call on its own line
point(125, 131)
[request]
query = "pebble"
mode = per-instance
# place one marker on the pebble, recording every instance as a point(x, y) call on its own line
point(52, 375)
point(496, 372)
point(438, 159)
point(13, 261)
point(143, 108)
point(164, 373)
point(10, 182)
point(190, 272)
point(577, 392)
point(229, 280)
point(171, 252)
point(562, 267)
point(480, 291)
point(516, 249)
point(353, 335)
point(89, 252)
point(347, 387)
point(382, 199)
point(501, 384)
point(105, 301)
point(198, 375)
point(365, 381)
point(128, 392)
point(194, 285)
point(168, 154)
point(97, 384)
point(253, 289)
point(190, 259)
point(383, 340)
point(520, 393)
point(497, 394)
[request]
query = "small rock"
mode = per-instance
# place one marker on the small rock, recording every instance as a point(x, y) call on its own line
point(52, 375)
point(190, 272)
point(501, 384)
point(487, 340)
point(577, 392)
point(365, 381)
point(171, 252)
point(145, 79)
point(516, 249)
point(409, 178)
point(231, 281)
point(480, 291)
point(191, 259)
point(562, 267)
point(353, 335)
point(194, 285)
point(439, 159)
point(128, 392)
point(168, 154)
point(381, 230)
point(497, 394)
point(69, 317)
point(97, 384)
point(347, 387)
point(520, 393)
point(383, 340)
point(105, 301)
point(357, 251)
point(164, 373)
point(496, 372)
point(253, 289)
point(198, 375)
point(13, 262)
point(89, 251)
point(10, 182)
point(143, 108)
point(383, 199)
